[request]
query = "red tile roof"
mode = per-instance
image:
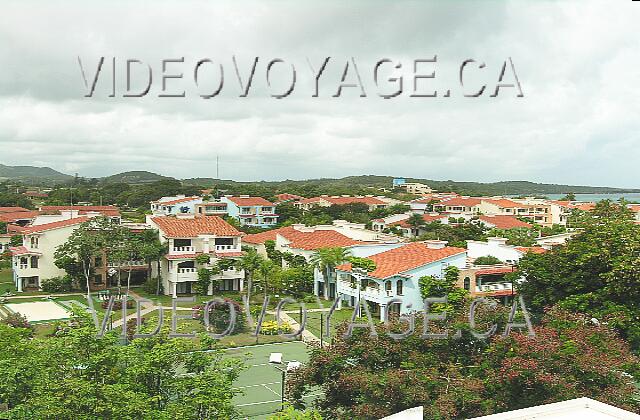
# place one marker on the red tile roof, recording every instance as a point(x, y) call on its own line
point(262, 237)
point(110, 211)
point(350, 200)
point(495, 270)
point(405, 258)
point(461, 202)
point(532, 249)
point(505, 222)
point(318, 239)
point(288, 197)
point(21, 250)
point(12, 209)
point(177, 201)
point(175, 227)
point(634, 207)
point(504, 203)
point(303, 240)
point(19, 215)
point(250, 201)
point(53, 225)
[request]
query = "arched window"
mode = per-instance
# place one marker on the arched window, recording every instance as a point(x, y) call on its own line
point(387, 286)
point(399, 287)
point(467, 283)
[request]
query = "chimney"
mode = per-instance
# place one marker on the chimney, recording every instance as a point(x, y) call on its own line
point(435, 244)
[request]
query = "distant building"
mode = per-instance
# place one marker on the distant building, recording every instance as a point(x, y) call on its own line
point(398, 182)
point(179, 204)
point(251, 211)
point(328, 201)
point(416, 188)
point(189, 236)
point(211, 208)
point(397, 275)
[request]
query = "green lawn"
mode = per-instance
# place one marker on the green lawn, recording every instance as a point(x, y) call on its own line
point(337, 318)
point(6, 281)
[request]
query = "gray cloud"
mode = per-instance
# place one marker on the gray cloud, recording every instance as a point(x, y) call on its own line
point(576, 124)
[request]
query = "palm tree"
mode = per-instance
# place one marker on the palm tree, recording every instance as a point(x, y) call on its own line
point(326, 260)
point(250, 263)
point(416, 221)
point(267, 271)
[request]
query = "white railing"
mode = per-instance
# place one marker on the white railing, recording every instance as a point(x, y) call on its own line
point(23, 266)
point(127, 264)
point(183, 249)
point(226, 247)
point(186, 270)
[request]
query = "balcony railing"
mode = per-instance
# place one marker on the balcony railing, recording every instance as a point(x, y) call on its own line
point(184, 249)
point(186, 270)
point(227, 248)
point(127, 264)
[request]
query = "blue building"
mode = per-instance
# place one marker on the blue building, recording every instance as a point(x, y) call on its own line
point(397, 276)
point(251, 211)
point(398, 182)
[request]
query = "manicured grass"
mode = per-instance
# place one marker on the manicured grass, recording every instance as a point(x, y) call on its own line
point(337, 318)
point(6, 281)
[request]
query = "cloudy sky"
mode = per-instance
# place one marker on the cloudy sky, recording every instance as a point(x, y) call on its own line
point(578, 63)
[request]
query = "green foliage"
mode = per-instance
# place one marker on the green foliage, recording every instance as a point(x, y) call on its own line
point(487, 260)
point(57, 284)
point(150, 286)
point(431, 286)
point(220, 316)
point(16, 240)
point(17, 320)
point(596, 272)
point(364, 264)
point(370, 378)
point(290, 413)
point(74, 374)
point(456, 235)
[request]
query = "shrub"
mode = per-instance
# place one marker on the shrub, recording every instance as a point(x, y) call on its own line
point(271, 328)
point(150, 286)
point(17, 320)
point(57, 284)
point(219, 316)
point(487, 260)
point(117, 304)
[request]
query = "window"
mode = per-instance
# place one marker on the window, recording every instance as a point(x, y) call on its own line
point(34, 242)
point(399, 286)
point(387, 286)
point(34, 262)
point(467, 283)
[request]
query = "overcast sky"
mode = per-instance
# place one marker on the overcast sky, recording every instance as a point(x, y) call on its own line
point(578, 63)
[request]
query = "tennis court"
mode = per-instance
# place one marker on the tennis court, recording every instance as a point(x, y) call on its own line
point(261, 382)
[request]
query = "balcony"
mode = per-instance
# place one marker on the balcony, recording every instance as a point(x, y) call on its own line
point(187, 274)
point(228, 248)
point(127, 264)
point(183, 250)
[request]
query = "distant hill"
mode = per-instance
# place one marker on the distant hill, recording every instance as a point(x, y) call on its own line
point(134, 177)
point(359, 184)
point(367, 184)
point(32, 174)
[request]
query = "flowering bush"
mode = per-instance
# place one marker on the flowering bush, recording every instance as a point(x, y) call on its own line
point(271, 328)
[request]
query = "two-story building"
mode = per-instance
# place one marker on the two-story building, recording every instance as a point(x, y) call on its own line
point(328, 201)
point(189, 236)
point(34, 260)
point(397, 275)
point(179, 204)
point(251, 211)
